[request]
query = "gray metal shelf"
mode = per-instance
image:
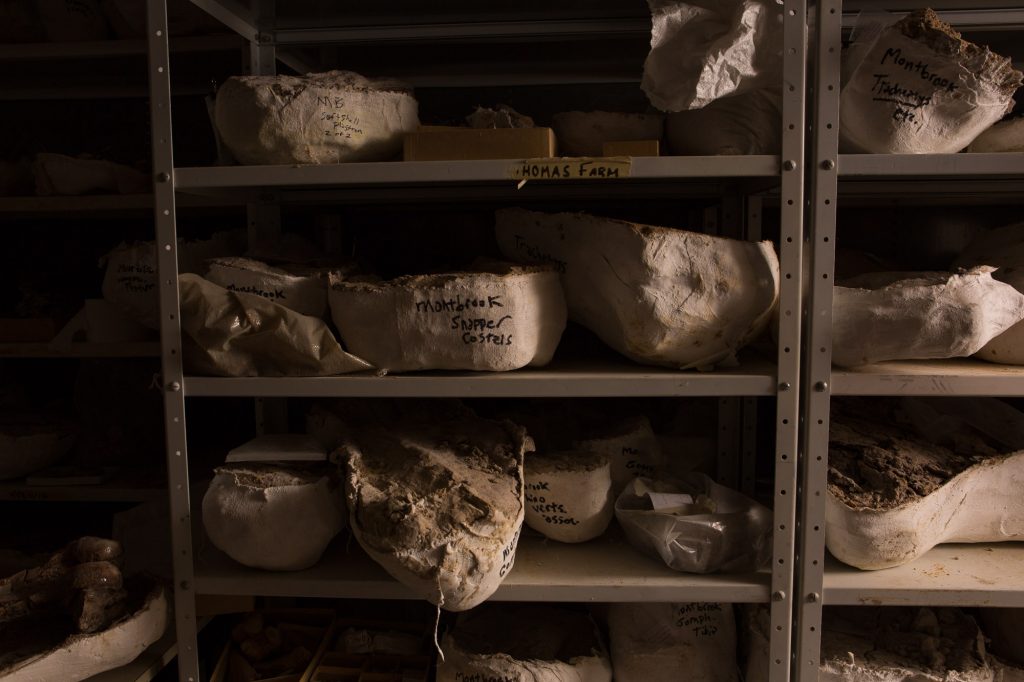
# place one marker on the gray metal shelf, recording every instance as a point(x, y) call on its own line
point(122, 487)
point(81, 350)
point(964, 377)
point(916, 166)
point(399, 173)
point(948, 575)
point(602, 570)
point(95, 204)
point(755, 377)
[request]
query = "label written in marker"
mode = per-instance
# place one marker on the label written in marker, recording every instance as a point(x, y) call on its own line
point(574, 168)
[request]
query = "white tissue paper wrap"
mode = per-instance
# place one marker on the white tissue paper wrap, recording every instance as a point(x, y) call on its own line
point(920, 316)
point(703, 50)
point(919, 89)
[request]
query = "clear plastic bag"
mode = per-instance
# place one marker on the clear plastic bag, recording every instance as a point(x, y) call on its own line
point(695, 525)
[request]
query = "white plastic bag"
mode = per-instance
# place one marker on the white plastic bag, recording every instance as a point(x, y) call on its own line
point(695, 525)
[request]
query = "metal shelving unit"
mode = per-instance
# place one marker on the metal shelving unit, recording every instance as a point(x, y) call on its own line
point(601, 571)
point(948, 575)
point(755, 377)
point(604, 570)
point(139, 349)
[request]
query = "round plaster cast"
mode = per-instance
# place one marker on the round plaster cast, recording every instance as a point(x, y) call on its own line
point(746, 124)
point(439, 505)
point(303, 290)
point(893, 496)
point(1005, 136)
point(502, 318)
point(275, 517)
point(921, 89)
point(81, 656)
point(331, 117)
point(1002, 248)
point(919, 316)
point(568, 494)
point(25, 450)
point(583, 133)
point(660, 642)
point(631, 447)
point(657, 295)
point(523, 643)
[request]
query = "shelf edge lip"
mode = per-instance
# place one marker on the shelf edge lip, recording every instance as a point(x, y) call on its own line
point(852, 384)
point(725, 592)
point(582, 28)
point(966, 19)
point(448, 172)
point(1008, 164)
point(504, 385)
point(110, 48)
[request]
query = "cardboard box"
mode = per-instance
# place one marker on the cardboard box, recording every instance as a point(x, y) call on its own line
point(632, 148)
point(440, 143)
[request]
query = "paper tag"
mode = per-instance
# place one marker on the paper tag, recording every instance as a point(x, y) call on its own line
point(669, 501)
point(572, 168)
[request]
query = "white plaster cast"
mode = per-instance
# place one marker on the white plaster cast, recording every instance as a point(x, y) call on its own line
point(500, 319)
point(657, 295)
point(568, 494)
point(920, 316)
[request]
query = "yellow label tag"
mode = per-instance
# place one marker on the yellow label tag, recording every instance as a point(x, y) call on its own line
point(572, 168)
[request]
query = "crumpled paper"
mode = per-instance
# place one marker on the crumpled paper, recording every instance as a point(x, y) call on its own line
point(228, 333)
point(920, 315)
point(704, 50)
